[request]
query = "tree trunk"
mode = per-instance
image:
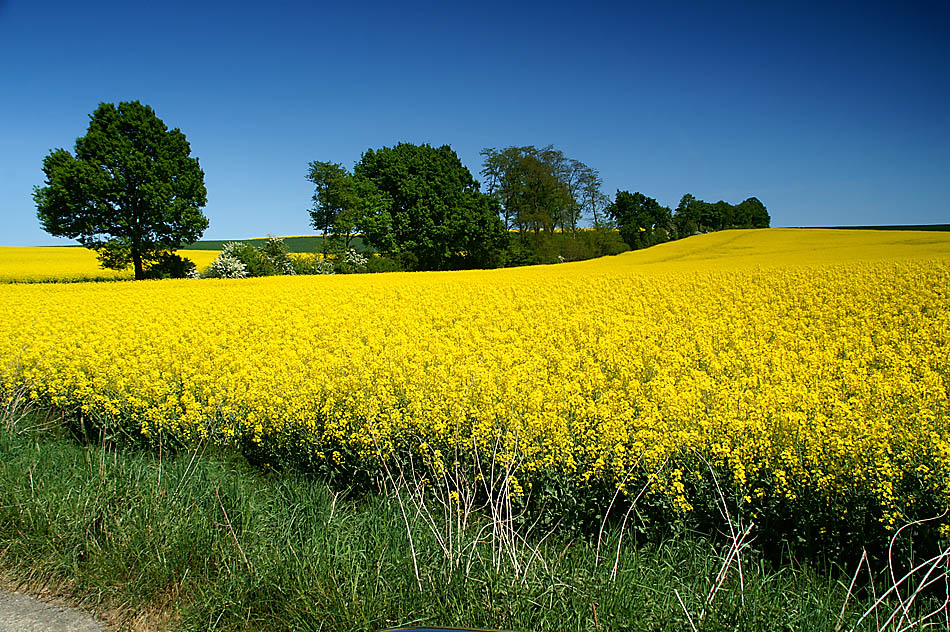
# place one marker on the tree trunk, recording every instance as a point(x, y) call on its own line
point(137, 262)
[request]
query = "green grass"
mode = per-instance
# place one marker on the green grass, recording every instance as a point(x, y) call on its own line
point(206, 542)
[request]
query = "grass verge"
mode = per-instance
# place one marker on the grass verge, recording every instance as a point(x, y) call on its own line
point(201, 541)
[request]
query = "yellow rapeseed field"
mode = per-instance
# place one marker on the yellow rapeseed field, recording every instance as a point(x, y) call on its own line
point(59, 263)
point(810, 368)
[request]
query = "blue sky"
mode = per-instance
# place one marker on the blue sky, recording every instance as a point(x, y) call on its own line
point(830, 115)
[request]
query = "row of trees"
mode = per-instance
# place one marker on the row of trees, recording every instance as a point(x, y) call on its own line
point(421, 205)
point(417, 203)
point(642, 221)
point(542, 190)
point(133, 193)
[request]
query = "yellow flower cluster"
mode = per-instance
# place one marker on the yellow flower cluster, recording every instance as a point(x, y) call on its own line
point(61, 263)
point(796, 362)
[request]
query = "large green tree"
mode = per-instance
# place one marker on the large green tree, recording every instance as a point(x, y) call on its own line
point(642, 220)
point(433, 216)
point(752, 213)
point(131, 192)
point(686, 216)
point(540, 190)
point(342, 202)
point(328, 199)
point(692, 215)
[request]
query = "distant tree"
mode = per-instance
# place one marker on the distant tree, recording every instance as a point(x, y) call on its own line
point(341, 202)
point(686, 216)
point(434, 216)
point(545, 195)
point(753, 214)
point(327, 178)
point(642, 220)
point(503, 175)
point(692, 215)
point(725, 215)
point(541, 190)
point(592, 200)
point(131, 192)
point(582, 185)
point(363, 201)
point(708, 217)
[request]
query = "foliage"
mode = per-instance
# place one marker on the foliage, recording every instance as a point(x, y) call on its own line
point(434, 216)
point(171, 266)
point(545, 196)
point(327, 205)
point(312, 264)
point(197, 537)
point(226, 266)
point(296, 244)
point(642, 220)
point(693, 216)
point(584, 244)
point(131, 192)
point(341, 202)
point(541, 190)
point(381, 263)
point(270, 258)
point(420, 206)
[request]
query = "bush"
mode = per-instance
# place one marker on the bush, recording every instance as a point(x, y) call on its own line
point(311, 264)
point(519, 254)
point(270, 259)
point(533, 249)
point(381, 263)
point(605, 242)
point(226, 266)
point(248, 255)
point(171, 266)
point(276, 258)
point(351, 262)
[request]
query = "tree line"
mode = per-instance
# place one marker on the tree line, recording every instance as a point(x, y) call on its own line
point(643, 222)
point(132, 192)
point(422, 206)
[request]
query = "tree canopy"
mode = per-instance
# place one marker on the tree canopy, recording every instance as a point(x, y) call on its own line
point(429, 210)
point(420, 205)
point(541, 190)
point(340, 202)
point(131, 192)
point(692, 215)
point(643, 221)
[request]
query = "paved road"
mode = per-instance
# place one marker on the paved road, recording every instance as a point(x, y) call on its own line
point(22, 613)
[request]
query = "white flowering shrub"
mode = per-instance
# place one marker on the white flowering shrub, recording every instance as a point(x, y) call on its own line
point(354, 261)
point(312, 264)
point(276, 256)
point(323, 266)
point(234, 250)
point(226, 266)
